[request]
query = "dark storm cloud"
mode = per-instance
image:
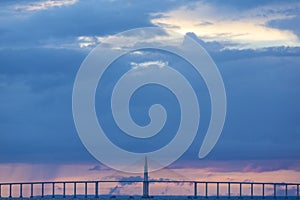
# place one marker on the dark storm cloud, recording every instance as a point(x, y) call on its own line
point(36, 116)
point(36, 82)
point(262, 89)
point(292, 23)
point(36, 123)
point(263, 111)
point(63, 24)
point(262, 107)
point(262, 118)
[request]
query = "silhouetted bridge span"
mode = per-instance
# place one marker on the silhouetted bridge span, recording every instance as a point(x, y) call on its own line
point(194, 189)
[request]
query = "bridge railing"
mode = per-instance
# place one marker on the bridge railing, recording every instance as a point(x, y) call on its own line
point(199, 189)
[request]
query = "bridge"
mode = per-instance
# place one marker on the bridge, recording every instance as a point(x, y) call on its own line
point(198, 189)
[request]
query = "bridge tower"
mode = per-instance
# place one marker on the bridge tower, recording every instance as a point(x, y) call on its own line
point(146, 181)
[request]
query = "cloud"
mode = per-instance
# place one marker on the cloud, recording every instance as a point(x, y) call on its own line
point(247, 28)
point(87, 41)
point(96, 168)
point(287, 24)
point(124, 181)
point(159, 64)
point(42, 50)
point(43, 5)
point(37, 89)
point(129, 179)
point(35, 107)
point(243, 165)
point(71, 24)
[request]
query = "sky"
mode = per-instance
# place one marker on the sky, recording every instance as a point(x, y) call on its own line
point(255, 45)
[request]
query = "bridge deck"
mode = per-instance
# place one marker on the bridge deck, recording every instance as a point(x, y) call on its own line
point(198, 190)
